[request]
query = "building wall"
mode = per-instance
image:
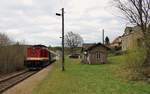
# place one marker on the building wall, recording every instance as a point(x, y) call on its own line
point(132, 40)
point(116, 42)
point(97, 55)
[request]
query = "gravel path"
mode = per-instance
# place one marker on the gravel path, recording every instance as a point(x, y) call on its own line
point(29, 84)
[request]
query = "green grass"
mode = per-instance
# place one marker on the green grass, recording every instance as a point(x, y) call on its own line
point(89, 79)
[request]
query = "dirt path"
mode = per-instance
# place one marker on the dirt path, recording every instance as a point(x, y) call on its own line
point(29, 84)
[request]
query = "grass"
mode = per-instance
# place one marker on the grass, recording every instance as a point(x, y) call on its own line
point(89, 79)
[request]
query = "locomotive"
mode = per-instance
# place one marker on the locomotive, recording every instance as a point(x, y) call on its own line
point(38, 56)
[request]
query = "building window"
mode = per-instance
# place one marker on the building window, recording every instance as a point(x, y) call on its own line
point(130, 31)
point(98, 55)
point(139, 43)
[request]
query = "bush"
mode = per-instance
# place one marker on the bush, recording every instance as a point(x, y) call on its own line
point(11, 58)
point(132, 67)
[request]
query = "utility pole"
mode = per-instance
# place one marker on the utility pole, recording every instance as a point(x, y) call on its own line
point(63, 68)
point(63, 59)
point(103, 36)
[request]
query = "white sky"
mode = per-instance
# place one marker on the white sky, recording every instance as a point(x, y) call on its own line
point(35, 22)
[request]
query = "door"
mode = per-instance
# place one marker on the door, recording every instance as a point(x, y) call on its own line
point(102, 58)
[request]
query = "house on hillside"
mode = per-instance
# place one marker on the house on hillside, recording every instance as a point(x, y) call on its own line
point(94, 53)
point(116, 44)
point(132, 38)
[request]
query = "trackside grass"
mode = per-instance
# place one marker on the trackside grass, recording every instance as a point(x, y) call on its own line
point(89, 79)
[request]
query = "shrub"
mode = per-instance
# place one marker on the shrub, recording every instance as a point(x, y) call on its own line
point(132, 67)
point(11, 58)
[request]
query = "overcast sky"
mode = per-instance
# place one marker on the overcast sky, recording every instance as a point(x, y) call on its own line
point(35, 22)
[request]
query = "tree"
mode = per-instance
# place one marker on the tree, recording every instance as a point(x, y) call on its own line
point(4, 40)
point(73, 40)
point(107, 40)
point(137, 12)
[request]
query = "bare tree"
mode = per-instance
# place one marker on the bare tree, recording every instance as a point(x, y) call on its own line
point(73, 40)
point(137, 12)
point(4, 39)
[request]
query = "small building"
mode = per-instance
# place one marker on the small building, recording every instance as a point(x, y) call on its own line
point(116, 43)
point(132, 38)
point(94, 53)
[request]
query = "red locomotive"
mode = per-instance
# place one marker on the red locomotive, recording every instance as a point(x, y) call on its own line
point(38, 56)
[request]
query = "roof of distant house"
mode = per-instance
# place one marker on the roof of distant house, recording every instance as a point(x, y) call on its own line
point(131, 30)
point(116, 40)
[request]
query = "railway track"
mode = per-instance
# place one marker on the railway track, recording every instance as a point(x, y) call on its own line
point(11, 81)
point(12, 75)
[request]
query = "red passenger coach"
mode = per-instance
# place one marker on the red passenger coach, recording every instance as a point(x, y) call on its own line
point(37, 56)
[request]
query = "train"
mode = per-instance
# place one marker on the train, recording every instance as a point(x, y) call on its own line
point(38, 56)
